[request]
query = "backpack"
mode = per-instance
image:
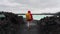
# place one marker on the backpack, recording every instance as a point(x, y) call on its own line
point(28, 16)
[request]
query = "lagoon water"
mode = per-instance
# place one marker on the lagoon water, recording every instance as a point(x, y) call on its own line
point(38, 17)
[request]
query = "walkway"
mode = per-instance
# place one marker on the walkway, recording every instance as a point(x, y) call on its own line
point(33, 29)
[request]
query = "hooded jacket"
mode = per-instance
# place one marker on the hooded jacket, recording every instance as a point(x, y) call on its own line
point(29, 16)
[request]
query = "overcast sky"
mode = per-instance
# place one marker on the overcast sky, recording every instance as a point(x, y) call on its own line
point(35, 6)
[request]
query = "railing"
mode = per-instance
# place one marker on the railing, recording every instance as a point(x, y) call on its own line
point(41, 14)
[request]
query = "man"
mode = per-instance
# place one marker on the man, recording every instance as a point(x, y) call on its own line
point(29, 18)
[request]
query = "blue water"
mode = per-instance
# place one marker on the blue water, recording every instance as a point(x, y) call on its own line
point(38, 17)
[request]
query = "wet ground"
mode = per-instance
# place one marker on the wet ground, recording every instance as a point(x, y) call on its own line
point(33, 29)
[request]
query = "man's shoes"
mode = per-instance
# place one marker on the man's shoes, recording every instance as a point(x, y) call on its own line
point(29, 28)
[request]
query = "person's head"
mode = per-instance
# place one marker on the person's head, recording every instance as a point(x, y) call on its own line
point(29, 11)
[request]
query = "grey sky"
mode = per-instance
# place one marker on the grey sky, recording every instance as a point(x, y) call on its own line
point(36, 6)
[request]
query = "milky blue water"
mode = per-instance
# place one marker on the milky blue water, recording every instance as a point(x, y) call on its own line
point(38, 17)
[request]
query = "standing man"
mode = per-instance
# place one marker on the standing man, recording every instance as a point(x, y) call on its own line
point(29, 18)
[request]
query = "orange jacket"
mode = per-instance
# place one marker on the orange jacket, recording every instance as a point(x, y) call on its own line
point(29, 17)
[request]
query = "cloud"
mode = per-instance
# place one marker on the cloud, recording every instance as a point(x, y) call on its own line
point(36, 6)
point(7, 3)
point(40, 3)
